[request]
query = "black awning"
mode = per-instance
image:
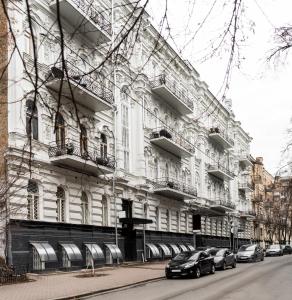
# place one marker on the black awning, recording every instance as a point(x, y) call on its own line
point(135, 221)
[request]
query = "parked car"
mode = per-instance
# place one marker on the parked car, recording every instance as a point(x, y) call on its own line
point(287, 249)
point(224, 258)
point(250, 253)
point(190, 263)
point(210, 250)
point(274, 250)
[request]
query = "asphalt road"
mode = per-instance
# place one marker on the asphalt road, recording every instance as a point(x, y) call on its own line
point(267, 280)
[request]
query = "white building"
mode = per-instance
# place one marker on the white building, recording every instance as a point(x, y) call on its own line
point(140, 143)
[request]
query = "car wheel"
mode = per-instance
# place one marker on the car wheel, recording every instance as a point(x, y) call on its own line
point(197, 273)
point(234, 265)
point(212, 269)
point(224, 266)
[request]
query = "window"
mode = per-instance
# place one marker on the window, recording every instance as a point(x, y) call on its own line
point(125, 132)
point(103, 146)
point(32, 200)
point(83, 141)
point(32, 120)
point(168, 220)
point(60, 204)
point(60, 130)
point(104, 208)
point(84, 208)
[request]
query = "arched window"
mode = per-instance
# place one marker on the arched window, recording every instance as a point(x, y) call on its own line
point(32, 120)
point(32, 200)
point(104, 210)
point(83, 141)
point(103, 146)
point(60, 130)
point(60, 204)
point(84, 208)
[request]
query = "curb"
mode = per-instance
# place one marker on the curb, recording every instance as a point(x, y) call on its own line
point(103, 291)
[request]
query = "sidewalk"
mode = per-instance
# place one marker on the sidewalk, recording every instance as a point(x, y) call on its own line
point(62, 285)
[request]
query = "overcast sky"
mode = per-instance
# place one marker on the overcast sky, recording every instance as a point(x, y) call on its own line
point(260, 93)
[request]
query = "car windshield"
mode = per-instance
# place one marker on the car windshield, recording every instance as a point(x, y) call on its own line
point(247, 248)
point(187, 256)
point(212, 251)
point(220, 252)
point(274, 247)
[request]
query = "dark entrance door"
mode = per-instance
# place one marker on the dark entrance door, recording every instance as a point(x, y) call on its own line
point(128, 232)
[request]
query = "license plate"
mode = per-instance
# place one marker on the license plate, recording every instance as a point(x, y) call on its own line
point(175, 271)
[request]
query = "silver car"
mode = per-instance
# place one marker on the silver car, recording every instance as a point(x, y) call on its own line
point(224, 258)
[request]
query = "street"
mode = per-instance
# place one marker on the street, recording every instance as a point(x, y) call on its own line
point(267, 280)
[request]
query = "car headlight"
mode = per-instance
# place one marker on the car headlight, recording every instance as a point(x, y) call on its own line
point(188, 265)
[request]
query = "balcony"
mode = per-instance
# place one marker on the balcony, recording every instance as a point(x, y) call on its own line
point(85, 19)
point(90, 160)
point(171, 141)
point(172, 93)
point(84, 89)
point(246, 187)
point(220, 172)
point(222, 204)
point(245, 160)
point(218, 136)
point(247, 214)
point(172, 188)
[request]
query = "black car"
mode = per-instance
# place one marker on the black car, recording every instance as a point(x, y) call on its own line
point(190, 263)
point(250, 253)
point(274, 250)
point(287, 249)
point(224, 258)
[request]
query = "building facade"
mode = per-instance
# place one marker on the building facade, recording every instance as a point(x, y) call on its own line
point(114, 158)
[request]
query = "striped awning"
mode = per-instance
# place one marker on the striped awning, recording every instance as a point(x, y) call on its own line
point(165, 249)
point(191, 247)
point(95, 251)
point(114, 250)
point(72, 251)
point(45, 251)
point(154, 250)
point(174, 248)
point(183, 247)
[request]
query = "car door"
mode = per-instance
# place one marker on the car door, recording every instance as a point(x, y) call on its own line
point(204, 263)
point(228, 258)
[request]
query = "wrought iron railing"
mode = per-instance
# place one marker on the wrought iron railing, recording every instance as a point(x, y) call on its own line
point(244, 185)
point(71, 147)
point(224, 202)
point(222, 133)
point(174, 87)
point(173, 183)
point(219, 167)
point(98, 18)
point(170, 134)
point(87, 81)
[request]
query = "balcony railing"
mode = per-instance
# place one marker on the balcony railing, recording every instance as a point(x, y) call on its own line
point(171, 141)
point(221, 172)
point(246, 186)
point(87, 90)
point(71, 153)
point(222, 203)
point(219, 136)
point(173, 93)
point(171, 187)
point(85, 18)
point(245, 160)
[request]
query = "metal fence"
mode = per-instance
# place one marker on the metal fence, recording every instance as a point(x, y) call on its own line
point(71, 147)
